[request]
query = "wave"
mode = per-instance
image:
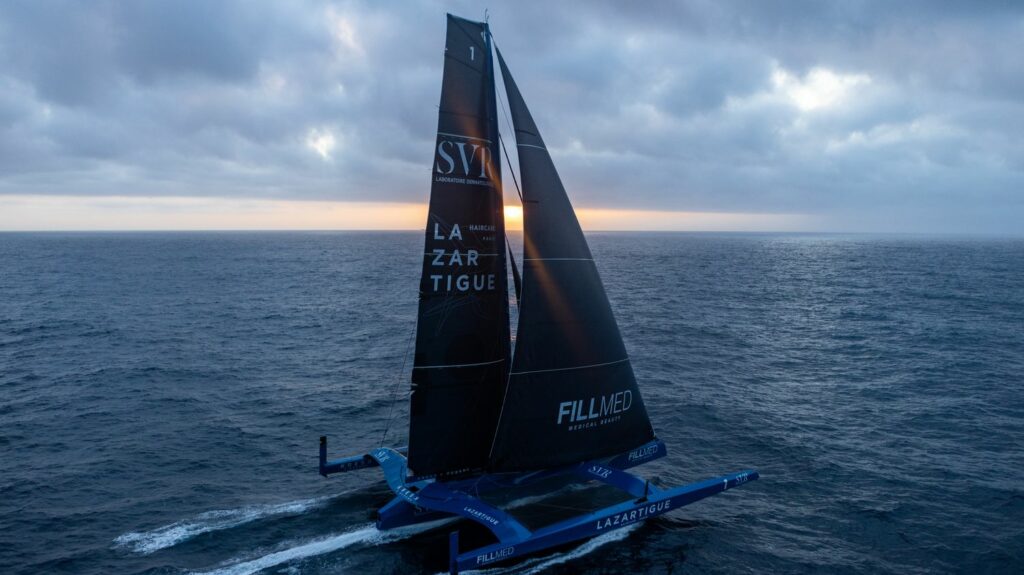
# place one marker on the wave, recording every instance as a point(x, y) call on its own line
point(146, 542)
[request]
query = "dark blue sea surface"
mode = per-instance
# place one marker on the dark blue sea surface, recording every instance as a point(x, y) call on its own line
point(161, 395)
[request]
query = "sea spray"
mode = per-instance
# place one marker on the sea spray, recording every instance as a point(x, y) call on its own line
point(365, 535)
point(535, 565)
point(146, 542)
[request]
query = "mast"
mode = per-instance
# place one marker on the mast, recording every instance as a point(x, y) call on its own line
point(572, 395)
point(462, 337)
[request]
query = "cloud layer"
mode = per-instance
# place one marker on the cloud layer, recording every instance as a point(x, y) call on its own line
point(866, 115)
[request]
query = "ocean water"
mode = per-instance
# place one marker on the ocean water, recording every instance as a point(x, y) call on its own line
point(161, 395)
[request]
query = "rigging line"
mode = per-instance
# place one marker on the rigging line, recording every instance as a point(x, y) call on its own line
point(508, 159)
point(394, 388)
point(502, 101)
point(516, 278)
point(508, 124)
point(510, 170)
point(506, 114)
point(504, 111)
point(508, 378)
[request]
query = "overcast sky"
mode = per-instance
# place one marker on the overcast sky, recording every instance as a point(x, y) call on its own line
point(853, 116)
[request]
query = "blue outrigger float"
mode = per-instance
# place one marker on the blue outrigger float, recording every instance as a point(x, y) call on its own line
point(486, 416)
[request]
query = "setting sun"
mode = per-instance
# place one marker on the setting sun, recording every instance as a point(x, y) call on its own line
point(514, 217)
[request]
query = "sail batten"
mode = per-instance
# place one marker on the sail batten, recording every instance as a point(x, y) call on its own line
point(571, 393)
point(570, 368)
point(454, 365)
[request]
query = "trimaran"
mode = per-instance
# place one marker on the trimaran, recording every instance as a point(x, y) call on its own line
point(485, 416)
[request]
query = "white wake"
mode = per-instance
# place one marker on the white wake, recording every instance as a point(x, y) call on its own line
point(366, 535)
point(146, 542)
point(585, 549)
point(540, 564)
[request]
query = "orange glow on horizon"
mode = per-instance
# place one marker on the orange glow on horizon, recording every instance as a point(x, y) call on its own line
point(602, 219)
point(24, 212)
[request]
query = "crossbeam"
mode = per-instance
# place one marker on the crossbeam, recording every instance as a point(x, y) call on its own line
point(343, 464)
point(399, 512)
point(627, 482)
point(439, 497)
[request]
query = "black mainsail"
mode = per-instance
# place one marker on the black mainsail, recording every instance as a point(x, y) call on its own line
point(571, 395)
point(462, 338)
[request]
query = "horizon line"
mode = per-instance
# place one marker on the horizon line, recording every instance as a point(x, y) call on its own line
point(513, 231)
point(69, 213)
